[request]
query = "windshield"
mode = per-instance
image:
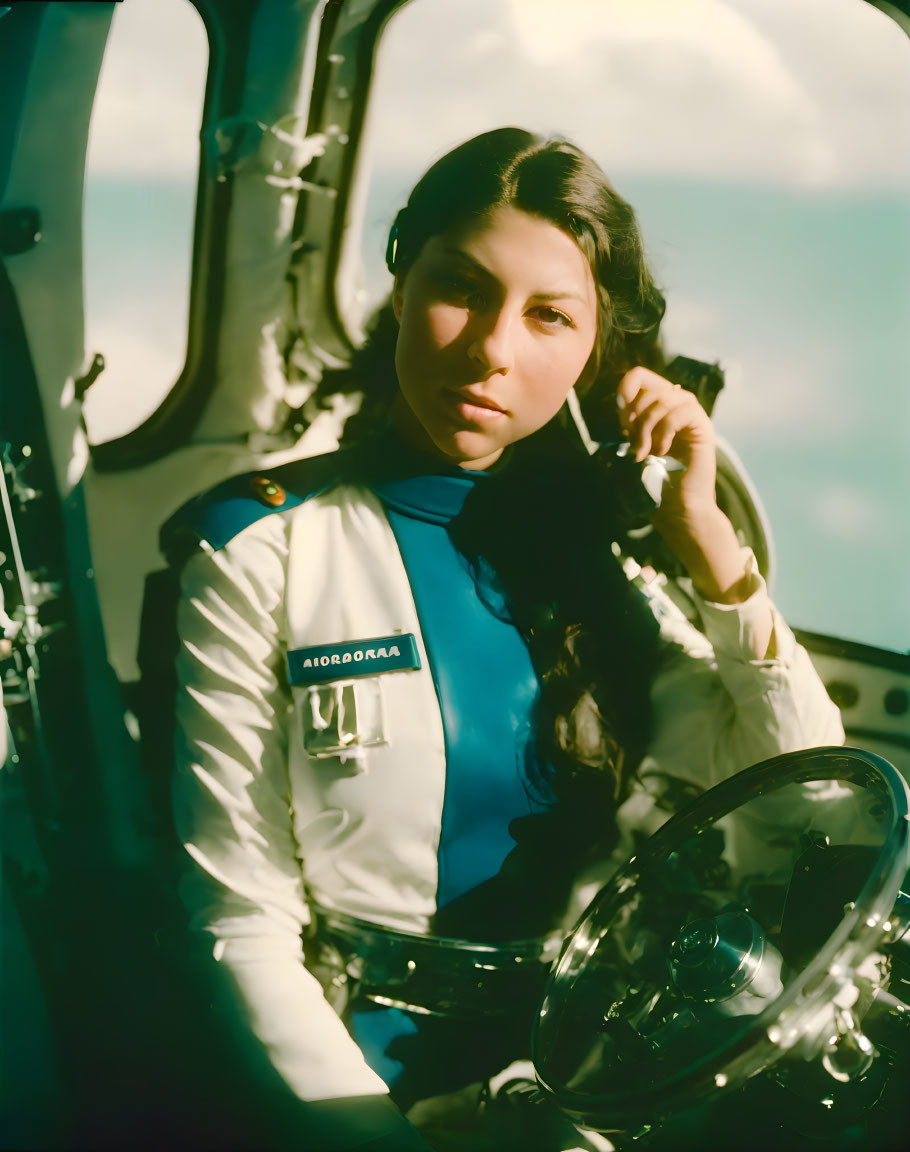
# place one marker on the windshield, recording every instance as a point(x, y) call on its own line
point(758, 141)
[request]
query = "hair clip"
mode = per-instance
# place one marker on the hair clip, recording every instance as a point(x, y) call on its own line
point(391, 252)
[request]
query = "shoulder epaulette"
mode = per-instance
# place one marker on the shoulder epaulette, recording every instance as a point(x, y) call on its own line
point(212, 519)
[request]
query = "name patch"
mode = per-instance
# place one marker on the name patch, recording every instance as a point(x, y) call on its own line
point(353, 658)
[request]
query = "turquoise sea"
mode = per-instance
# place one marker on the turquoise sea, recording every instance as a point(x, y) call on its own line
point(802, 295)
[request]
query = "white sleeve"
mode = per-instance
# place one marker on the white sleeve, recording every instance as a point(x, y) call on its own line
point(717, 709)
point(232, 810)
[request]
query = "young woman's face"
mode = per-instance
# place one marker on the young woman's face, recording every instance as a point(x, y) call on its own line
point(497, 322)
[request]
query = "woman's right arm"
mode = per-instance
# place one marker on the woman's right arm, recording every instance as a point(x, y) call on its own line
point(232, 803)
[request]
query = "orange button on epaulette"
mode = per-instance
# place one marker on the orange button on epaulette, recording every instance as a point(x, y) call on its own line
point(268, 491)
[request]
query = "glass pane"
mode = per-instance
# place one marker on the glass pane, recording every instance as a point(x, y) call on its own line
point(764, 146)
point(140, 199)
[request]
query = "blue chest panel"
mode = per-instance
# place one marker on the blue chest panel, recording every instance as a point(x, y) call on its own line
point(487, 691)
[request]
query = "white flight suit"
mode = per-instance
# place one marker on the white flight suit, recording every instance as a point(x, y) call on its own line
point(262, 816)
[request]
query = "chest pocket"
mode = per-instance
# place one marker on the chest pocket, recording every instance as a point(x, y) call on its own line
point(342, 719)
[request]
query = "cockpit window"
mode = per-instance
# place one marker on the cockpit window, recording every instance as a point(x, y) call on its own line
point(761, 143)
point(140, 198)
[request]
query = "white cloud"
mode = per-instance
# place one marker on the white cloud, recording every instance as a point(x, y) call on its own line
point(788, 404)
point(779, 391)
point(709, 28)
point(849, 514)
point(693, 324)
point(148, 108)
point(854, 62)
point(814, 94)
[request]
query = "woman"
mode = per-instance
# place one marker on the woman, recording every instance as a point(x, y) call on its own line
point(416, 683)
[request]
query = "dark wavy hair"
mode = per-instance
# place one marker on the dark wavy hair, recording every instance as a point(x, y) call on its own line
point(547, 527)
